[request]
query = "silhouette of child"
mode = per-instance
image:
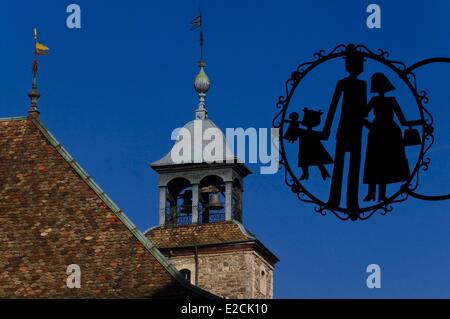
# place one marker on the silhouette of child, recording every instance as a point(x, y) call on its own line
point(311, 152)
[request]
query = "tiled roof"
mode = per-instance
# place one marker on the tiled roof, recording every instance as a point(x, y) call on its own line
point(197, 235)
point(52, 214)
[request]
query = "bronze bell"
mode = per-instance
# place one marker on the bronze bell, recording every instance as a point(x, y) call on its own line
point(214, 202)
point(186, 206)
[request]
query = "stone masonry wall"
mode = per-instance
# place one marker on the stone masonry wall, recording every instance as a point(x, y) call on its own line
point(262, 278)
point(240, 274)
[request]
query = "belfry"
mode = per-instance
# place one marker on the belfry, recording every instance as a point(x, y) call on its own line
point(201, 216)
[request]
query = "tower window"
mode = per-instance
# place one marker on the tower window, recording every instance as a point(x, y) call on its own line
point(263, 282)
point(186, 274)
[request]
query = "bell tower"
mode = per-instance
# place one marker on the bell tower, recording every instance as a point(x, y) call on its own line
point(200, 189)
point(200, 213)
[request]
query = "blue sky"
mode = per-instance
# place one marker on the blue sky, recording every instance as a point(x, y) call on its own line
point(113, 91)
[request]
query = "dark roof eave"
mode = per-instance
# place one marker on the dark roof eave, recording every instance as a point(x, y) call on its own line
point(243, 169)
point(273, 259)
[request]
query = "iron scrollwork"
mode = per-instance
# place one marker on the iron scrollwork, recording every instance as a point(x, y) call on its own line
point(408, 186)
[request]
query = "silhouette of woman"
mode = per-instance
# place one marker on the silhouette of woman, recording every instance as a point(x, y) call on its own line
point(386, 160)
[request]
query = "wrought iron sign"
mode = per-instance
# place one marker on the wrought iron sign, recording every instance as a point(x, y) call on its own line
point(371, 139)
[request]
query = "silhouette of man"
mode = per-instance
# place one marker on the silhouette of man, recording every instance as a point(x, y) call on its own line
point(349, 132)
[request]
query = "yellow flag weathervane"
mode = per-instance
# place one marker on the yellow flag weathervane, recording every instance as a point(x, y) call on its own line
point(40, 49)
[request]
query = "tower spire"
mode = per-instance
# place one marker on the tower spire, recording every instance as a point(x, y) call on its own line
point(34, 94)
point(201, 82)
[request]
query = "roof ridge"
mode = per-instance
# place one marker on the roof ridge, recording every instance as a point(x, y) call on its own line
point(151, 228)
point(117, 211)
point(250, 235)
point(231, 221)
point(244, 230)
point(13, 118)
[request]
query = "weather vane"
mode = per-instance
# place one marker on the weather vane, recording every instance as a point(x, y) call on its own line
point(39, 49)
point(370, 138)
point(197, 23)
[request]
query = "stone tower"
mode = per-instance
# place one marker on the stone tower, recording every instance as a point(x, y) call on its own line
point(200, 212)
